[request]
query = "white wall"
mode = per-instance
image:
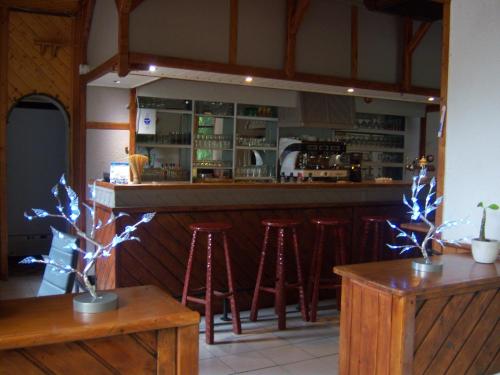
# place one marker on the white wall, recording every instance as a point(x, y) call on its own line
point(105, 146)
point(426, 63)
point(473, 134)
point(103, 37)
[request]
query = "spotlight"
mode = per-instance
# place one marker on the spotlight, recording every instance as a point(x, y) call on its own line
point(152, 68)
point(350, 90)
point(248, 79)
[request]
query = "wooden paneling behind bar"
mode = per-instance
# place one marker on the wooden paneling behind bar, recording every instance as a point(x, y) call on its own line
point(160, 257)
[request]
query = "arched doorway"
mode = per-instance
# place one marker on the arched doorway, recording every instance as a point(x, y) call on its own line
point(37, 154)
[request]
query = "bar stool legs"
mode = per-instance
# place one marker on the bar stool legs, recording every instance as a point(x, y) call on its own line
point(280, 284)
point(211, 229)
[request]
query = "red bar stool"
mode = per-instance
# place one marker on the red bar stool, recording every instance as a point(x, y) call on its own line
point(339, 228)
point(212, 229)
point(280, 285)
point(376, 229)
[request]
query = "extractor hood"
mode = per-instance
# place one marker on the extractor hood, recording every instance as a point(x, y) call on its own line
point(320, 111)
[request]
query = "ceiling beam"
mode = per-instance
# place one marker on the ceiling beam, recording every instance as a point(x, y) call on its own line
point(233, 31)
point(354, 41)
point(419, 35)
point(60, 7)
point(87, 14)
point(296, 10)
point(410, 43)
point(135, 4)
point(141, 61)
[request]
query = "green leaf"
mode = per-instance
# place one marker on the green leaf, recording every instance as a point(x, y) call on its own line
point(480, 204)
point(493, 206)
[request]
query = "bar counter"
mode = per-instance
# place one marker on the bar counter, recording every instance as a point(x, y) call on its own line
point(160, 258)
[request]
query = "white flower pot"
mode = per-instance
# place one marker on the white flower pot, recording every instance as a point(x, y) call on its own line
point(485, 251)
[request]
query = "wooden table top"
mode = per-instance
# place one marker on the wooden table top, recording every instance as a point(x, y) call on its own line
point(49, 320)
point(398, 277)
point(415, 227)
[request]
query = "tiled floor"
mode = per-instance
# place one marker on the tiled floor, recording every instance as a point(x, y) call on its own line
point(303, 348)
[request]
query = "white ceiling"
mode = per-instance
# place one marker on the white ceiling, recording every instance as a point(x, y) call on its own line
point(139, 78)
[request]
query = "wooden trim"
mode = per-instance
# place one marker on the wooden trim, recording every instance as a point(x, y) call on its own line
point(123, 38)
point(141, 61)
point(88, 12)
point(108, 66)
point(296, 10)
point(48, 7)
point(233, 32)
point(135, 4)
point(132, 119)
point(108, 125)
point(423, 136)
point(445, 51)
point(410, 43)
point(354, 41)
point(4, 41)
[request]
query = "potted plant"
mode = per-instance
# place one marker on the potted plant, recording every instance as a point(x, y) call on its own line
point(485, 250)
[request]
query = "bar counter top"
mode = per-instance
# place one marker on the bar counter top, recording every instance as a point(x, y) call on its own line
point(175, 195)
point(250, 185)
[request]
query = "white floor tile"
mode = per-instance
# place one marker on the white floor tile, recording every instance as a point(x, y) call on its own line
point(286, 354)
point(320, 348)
point(278, 370)
point(214, 366)
point(318, 366)
point(247, 361)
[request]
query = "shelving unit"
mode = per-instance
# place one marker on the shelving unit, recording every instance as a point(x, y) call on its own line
point(381, 141)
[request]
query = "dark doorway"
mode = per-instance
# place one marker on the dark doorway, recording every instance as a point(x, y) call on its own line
point(37, 155)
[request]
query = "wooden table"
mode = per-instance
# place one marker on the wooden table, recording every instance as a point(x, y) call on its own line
point(150, 333)
point(397, 321)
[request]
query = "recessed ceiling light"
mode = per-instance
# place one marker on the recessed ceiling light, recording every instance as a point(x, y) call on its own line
point(248, 79)
point(116, 81)
point(152, 68)
point(431, 98)
point(351, 90)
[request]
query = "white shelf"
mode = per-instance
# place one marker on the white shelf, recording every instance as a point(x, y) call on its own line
point(177, 111)
point(161, 145)
point(256, 118)
point(359, 148)
point(254, 178)
point(211, 115)
point(212, 148)
point(206, 167)
point(375, 131)
point(256, 148)
point(381, 164)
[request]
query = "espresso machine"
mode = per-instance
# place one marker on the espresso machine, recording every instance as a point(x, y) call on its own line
point(313, 160)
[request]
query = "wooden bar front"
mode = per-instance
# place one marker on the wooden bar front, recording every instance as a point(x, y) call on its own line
point(160, 257)
point(397, 321)
point(150, 333)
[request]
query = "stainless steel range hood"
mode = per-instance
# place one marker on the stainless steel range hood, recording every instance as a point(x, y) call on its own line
point(320, 111)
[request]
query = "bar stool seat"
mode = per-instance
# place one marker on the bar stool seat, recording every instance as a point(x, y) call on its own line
point(339, 229)
point(281, 227)
point(211, 229)
point(280, 223)
point(374, 230)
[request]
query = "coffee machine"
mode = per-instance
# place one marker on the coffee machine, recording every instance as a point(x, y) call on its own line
point(313, 160)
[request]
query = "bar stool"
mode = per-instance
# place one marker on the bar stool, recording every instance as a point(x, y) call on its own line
point(282, 226)
point(377, 229)
point(211, 229)
point(339, 229)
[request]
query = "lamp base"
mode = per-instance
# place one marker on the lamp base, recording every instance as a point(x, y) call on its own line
point(85, 303)
point(422, 265)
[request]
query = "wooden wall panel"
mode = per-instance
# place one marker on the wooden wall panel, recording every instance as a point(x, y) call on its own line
point(31, 71)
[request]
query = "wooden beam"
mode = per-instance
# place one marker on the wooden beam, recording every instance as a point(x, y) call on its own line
point(445, 53)
point(233, 32)
point(4, 42)
point(141, 61)
point(354, 41)
point(108, 125)
point(407, 35)
point(423, 136)
point(296, 10)
point(132, 118)
point(87, 14)
point(419, 35)
point(135, 4)
point(108, 66)
point(123, 37)
point(59, 7)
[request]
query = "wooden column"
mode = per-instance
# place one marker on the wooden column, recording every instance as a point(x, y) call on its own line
point(410, 43)
point(354, 42)
point(233, 32)
point(296, 10)
point(4, 39)
point(123, 37)
point(132, 120)
point(445, 51)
